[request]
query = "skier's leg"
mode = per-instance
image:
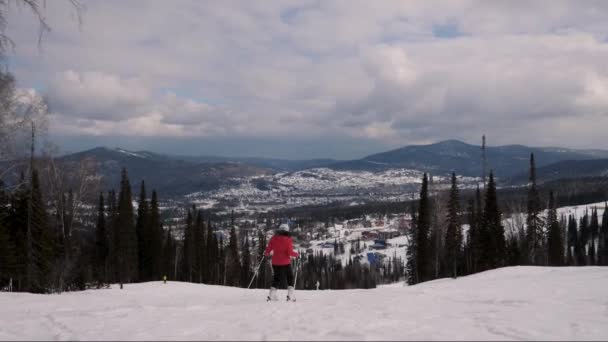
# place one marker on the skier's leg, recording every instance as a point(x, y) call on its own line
point(289, 275)
point(276, 276)
point(276, 281)
point(290, 288)
point(284, 277)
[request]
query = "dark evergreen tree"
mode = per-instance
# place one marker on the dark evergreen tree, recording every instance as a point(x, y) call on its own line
point(494, 243)
point(233, 264)
point(199, 242)
point(594, 228)
point(513, 251)
point(591, 252)
point(572, 241)
point(101, 244)
point(474, 234)
point(246, 263)
point(534, 224)
point(583, 240)
point(155, 229)
point(42, 243)
point(555, 244)
point(8, 259)
point(261, 278)
point(411, 263)
point(423, 226)
point(188, 255)
point(144, 253)
point(221, 261)
point(7, 254)
point(17, 226)
point(169, 256)
point(113, 236)
point(126, 235)
point(603, 239)
point(211, 252)
point(453, 237)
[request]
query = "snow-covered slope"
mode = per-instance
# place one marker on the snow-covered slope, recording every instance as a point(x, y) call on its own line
point(529, 303)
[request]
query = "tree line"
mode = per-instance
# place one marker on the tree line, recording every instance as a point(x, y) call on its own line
point(46, 249)
point(121, 244)
point(440, 248)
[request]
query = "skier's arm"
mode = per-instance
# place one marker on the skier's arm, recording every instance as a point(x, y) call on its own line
point(269, 247)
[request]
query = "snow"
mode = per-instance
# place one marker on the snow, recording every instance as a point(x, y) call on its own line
point(321, 186)
point(515, 303)
point(133, 154)
point(515, 220)
point(578, 211)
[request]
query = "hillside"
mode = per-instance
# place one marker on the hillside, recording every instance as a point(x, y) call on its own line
point(168, 175)
point(515, 303)
point(465, 159)
point(567, 169)
point(386, 176)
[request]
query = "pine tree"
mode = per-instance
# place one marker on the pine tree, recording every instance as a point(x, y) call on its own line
point(169, 251)
point(143, 235)
point(423, 260)
point(221, 261)
point(7, 255)
point(572, 241)
point(42, 242)
point(594, 228)
point(591, 252)
point(261, 278)
point(534, 228)
point(188, 250)
point(233, 264)
point(471, 232)
point(495, 245)
point(113, 237)
point(156, 239)
point(17, 222)
point(7, 248)
point(513, 251)
point(246, 264)
point(555, 243)
point(126, 242)
point(583, 240)
point(453, 237)
point(603, 239)
point(195, 244)
point(480, 238)
point(411, 263)
point(436, 239)
point(199, 246)
point(101, 244)
point(211, 267)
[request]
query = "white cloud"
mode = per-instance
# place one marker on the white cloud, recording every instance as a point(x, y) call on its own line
point(367, 69)
point(97, 95)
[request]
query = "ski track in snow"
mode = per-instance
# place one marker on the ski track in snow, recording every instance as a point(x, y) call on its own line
point(515, 303)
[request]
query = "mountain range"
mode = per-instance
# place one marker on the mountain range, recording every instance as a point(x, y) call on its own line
point(175, 174)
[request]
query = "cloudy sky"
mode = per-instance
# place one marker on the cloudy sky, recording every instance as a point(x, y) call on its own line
point(302, 79)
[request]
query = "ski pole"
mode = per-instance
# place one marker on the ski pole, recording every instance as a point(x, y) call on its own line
point(256, 271)
point(295, 280)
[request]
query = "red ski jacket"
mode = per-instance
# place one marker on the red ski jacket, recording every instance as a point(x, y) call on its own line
point(282, 248)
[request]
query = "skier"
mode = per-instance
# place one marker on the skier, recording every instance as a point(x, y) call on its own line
point(317, 284)
point(281, 247)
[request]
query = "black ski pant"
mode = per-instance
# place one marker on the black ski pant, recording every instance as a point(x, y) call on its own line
point(280, 274)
